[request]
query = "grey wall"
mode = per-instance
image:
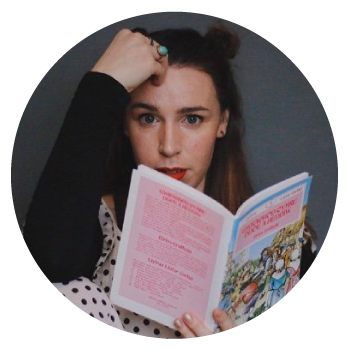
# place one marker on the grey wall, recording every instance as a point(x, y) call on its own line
point(287, 130)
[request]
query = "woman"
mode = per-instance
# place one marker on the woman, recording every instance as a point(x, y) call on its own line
point(177, 113)
point(225, 170)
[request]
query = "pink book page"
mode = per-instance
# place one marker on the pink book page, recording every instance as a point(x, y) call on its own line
point(170, 257)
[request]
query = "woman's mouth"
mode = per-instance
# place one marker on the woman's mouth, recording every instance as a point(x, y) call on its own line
point(175, 173)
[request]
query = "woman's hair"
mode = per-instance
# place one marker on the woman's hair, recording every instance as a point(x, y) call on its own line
point(227, 178)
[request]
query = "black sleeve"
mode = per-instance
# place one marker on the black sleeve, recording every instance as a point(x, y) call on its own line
point(61, 228)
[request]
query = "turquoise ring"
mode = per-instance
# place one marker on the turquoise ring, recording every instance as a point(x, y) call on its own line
point(162, 50)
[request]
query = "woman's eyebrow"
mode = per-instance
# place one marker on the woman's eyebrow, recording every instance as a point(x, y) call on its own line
point(191, 109)
point(153, 108)
point(144, 106)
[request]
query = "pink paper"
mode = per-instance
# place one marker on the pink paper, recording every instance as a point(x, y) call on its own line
point(173, 266)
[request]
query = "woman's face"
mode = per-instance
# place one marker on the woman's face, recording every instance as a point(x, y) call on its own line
point(173, 127)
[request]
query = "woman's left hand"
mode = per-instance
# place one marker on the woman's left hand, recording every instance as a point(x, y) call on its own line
point(190, 325)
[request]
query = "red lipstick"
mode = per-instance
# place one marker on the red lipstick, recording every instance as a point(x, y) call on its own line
point(175, 173)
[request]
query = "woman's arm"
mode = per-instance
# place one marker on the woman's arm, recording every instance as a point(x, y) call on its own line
point(61, 228)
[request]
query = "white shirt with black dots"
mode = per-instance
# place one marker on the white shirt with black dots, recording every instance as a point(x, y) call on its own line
point(93, 296)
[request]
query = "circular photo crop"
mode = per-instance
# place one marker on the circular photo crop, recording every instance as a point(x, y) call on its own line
point(174, 175)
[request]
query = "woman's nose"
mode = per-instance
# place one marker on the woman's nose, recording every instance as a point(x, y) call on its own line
point(169, 141)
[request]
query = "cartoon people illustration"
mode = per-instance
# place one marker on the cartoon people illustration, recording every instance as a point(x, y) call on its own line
point(293, 269)
point(276, 254)
point(236, 292)
point(226, 302)
point(287, 253)
point(277, 283)
point(249, 297)
point(290, 236)
point(265, 256)
point(279, 238)
point(246, 274)
point(261, 281)
point(258, 272)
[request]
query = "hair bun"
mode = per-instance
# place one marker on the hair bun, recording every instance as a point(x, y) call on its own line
point(226, 41)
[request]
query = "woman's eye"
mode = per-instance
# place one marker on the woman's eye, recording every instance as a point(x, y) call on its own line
point(193, 119)
point(147, 118)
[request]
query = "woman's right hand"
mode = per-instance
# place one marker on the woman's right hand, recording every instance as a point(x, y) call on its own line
point(131, 60)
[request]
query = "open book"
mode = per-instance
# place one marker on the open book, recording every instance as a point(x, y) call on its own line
point(182, 251)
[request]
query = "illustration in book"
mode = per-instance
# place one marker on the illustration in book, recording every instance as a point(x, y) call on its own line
point(262, 274)
point(264, 257)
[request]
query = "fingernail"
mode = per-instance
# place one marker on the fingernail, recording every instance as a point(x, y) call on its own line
point(188, 318)
point(178, 323)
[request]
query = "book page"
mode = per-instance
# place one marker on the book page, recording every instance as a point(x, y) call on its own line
point(263, 263)
point(168, 253)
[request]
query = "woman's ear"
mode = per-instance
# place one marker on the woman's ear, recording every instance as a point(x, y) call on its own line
point(223, 124)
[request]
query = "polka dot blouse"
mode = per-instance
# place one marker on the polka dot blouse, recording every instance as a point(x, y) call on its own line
point(93, 296)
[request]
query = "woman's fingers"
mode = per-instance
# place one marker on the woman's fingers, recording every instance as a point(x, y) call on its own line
point(159, 76)
point(183, 329)
point(192, 326)
point(131, 59)
point(223, 320)
point(160, 70)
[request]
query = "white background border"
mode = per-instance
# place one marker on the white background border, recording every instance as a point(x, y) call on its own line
point(313, 34)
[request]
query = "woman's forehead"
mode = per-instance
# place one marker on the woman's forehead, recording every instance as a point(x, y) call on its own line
point(181, 87)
